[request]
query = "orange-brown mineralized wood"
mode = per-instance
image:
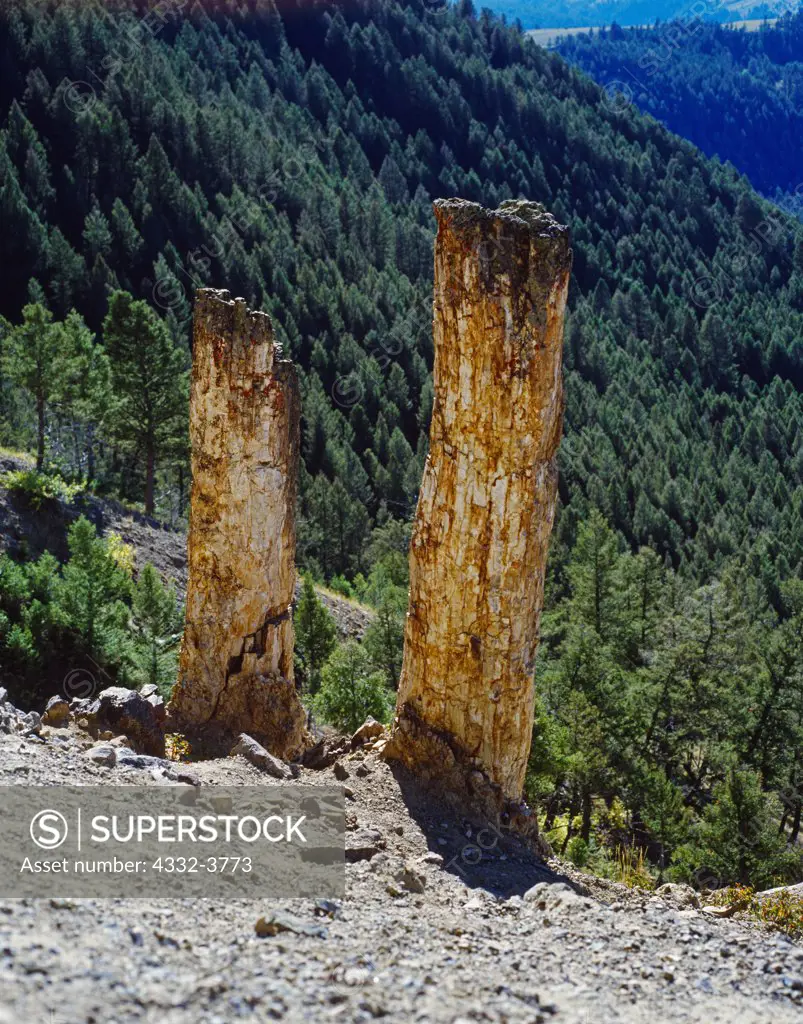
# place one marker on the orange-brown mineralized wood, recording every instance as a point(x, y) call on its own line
point(487, 500)
point(236, 665)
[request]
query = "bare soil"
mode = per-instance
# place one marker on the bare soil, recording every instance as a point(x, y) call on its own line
point(427, 932)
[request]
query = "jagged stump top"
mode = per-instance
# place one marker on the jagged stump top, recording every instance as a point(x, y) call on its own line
point(520, 240)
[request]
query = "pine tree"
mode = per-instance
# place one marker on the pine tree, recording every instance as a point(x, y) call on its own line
point(150, 378)
point(738, 840)
point(91, 596)
point(593, 573)
point(384, 638)
point(157, 622)
point(84, 389)
point(350, 691)
point(32, 360)
point(316, 634)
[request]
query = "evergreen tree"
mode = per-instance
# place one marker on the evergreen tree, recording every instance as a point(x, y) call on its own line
point(384, 638)
point(316, 634)
point(738, 841)
point(84, 389)
point(91, 596)
point(31, 359)
point(350, 691)
point(157, 622)
point(150, 379)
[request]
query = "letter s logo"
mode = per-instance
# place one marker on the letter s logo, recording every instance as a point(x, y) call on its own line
point(49, 829)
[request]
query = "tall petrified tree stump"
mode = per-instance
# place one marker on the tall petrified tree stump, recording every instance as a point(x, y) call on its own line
point(485, 511)
point(236, 666)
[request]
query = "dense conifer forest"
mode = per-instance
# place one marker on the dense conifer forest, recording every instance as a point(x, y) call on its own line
point(292, 158)
point(737, 95)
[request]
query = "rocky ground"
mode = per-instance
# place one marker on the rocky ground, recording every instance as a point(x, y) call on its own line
point(424, 933)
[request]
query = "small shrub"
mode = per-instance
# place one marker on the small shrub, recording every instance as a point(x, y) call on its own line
point(177, 747)
point(340, 585)
point(784, 912)
point(38, 488)
point(121, 553)
point(350, 691)
point(577, 851)
point(738, 896)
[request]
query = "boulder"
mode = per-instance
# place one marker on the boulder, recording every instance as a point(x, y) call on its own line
point(127, 711)
point(411, 878)
point(369, 730)
point(682, 896)
point(324, 753)
point(126, 758)
point(782, 890)
point(103, 755)
point(32, 723)
point(554, 897)
point(12, 720)
point(363, 845)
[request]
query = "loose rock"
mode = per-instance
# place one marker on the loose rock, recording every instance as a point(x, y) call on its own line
point(369, 730)
point(275, 923)
point(254, 752)
point(57, 712)
point(678, 895)
point(363, 845)
point(411, 878)
point(102, 755)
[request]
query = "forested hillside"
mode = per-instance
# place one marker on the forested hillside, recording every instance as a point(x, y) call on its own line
point(294, 161)
point(293, 157)
point(737, 95)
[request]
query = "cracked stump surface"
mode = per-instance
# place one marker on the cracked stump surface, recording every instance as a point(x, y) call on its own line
point(487, 500)
point(236, 668)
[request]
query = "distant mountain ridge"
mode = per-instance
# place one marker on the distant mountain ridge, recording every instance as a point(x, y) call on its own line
point(580, 13)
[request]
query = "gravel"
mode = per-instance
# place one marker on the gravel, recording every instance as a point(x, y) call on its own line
point(426, 933)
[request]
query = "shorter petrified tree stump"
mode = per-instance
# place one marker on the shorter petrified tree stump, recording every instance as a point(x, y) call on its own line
point(236, 666)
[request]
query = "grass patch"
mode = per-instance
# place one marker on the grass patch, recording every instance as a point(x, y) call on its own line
point(782, 911)
point(339, 596)
point(20, 456)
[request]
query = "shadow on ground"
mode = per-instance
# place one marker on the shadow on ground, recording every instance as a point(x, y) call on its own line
point(483, 855)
